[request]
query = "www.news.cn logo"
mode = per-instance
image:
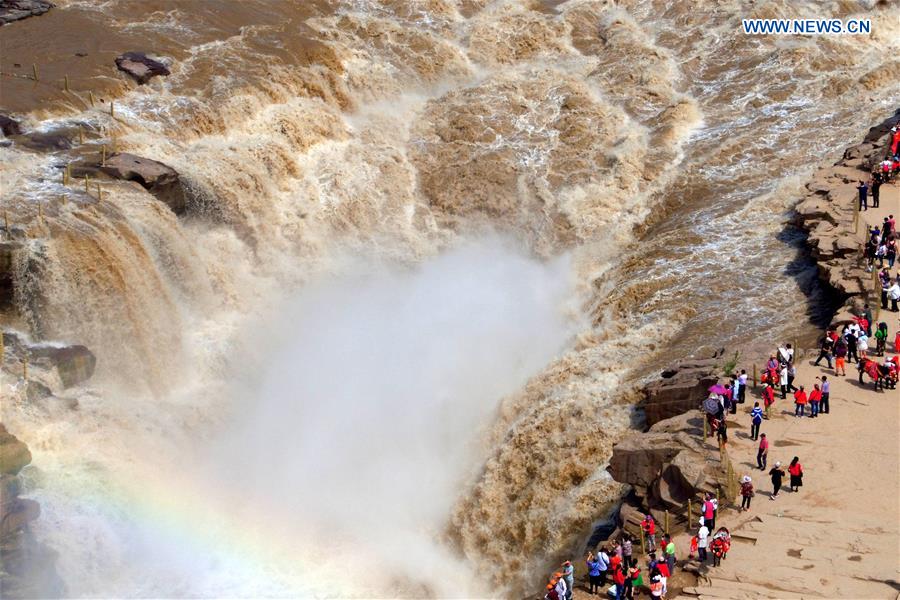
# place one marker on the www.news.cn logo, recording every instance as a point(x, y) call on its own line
point(806, 26)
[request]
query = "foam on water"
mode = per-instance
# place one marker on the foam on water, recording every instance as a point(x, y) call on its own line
point(392, 130)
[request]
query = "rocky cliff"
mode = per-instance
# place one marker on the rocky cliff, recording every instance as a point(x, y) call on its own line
point(828, 214)
point(39, 372)
point(26, 566)
point(671, 463)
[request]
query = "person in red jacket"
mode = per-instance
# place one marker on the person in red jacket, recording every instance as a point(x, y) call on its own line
point(649, 527)
point(768, 395)
point(796, 471)
point(619, 580)
point(800, 400)
point(815, 397)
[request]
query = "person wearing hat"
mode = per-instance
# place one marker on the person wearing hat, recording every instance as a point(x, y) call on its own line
point(746, 492)
point(702, 541)
point(777, 474)
point(568, 573)
point(562, 591)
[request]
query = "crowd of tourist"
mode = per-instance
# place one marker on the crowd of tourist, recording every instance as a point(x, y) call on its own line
point(858, 341)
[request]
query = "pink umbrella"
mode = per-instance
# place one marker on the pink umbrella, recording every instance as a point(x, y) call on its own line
point(717, 389)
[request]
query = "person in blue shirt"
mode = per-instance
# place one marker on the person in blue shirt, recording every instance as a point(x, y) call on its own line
point(756, 416)
point(597, 566)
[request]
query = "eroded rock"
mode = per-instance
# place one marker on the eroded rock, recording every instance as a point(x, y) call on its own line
point(9, 126)
point(74, 364)
point(14, 455)
point(15, 10)
point(140, 67)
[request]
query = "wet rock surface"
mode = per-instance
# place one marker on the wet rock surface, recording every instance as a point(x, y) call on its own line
point(140, 67)
point(157, 178)
point(15, 10)
point(826, 213)
point(26, 566)
point(681, 388)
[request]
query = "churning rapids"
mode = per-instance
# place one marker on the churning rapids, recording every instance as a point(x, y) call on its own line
point(431, 248)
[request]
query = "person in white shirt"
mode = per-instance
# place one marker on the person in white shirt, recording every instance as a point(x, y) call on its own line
point(702, 541)
point(894, 294)
point(742, 379)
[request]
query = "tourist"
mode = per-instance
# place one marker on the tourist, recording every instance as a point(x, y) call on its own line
point(664, 575)
point(894, 294)
point(815, 396)
point(656, 585)
point(884, 277)
point(618, 577)
point(863, 190)
point(746, 492)
point(634, 580)
point(786, 353)
point(762, 455)
point(783, 380)
point(649, 527)
point(876, 189)
point(881, 335)
point(867, 315)
point(777, 474)
point(568, 573)
point(891, 253)
point(800, 401)
point(709, 514)
point(850, 334)
point(627, 549)
point(596, 573)
point(824, 407)
point(756, 415)
point(562, 590)
point(742, 380)
point(796, 471)
point(768, 395)
point(826, 347)
point(551, 592)
point(840, 355)
point(702, 541)
point(722, 434)
point(670, 554)
point(862, 344)
point(718, 550)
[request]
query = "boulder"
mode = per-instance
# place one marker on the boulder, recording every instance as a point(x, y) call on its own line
point(10, 486)
point(668, 465)
point(140, 67)
point(74, 364)
point(9, 126)
point(19, 514)
point(46, 141)
point(14, 10)
point(682, 388)
point(14, 454)
point(159, 179)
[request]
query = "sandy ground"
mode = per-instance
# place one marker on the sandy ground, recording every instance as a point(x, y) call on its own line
point(839, 536)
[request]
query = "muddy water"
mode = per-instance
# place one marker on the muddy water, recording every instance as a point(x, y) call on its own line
point(650, 142)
